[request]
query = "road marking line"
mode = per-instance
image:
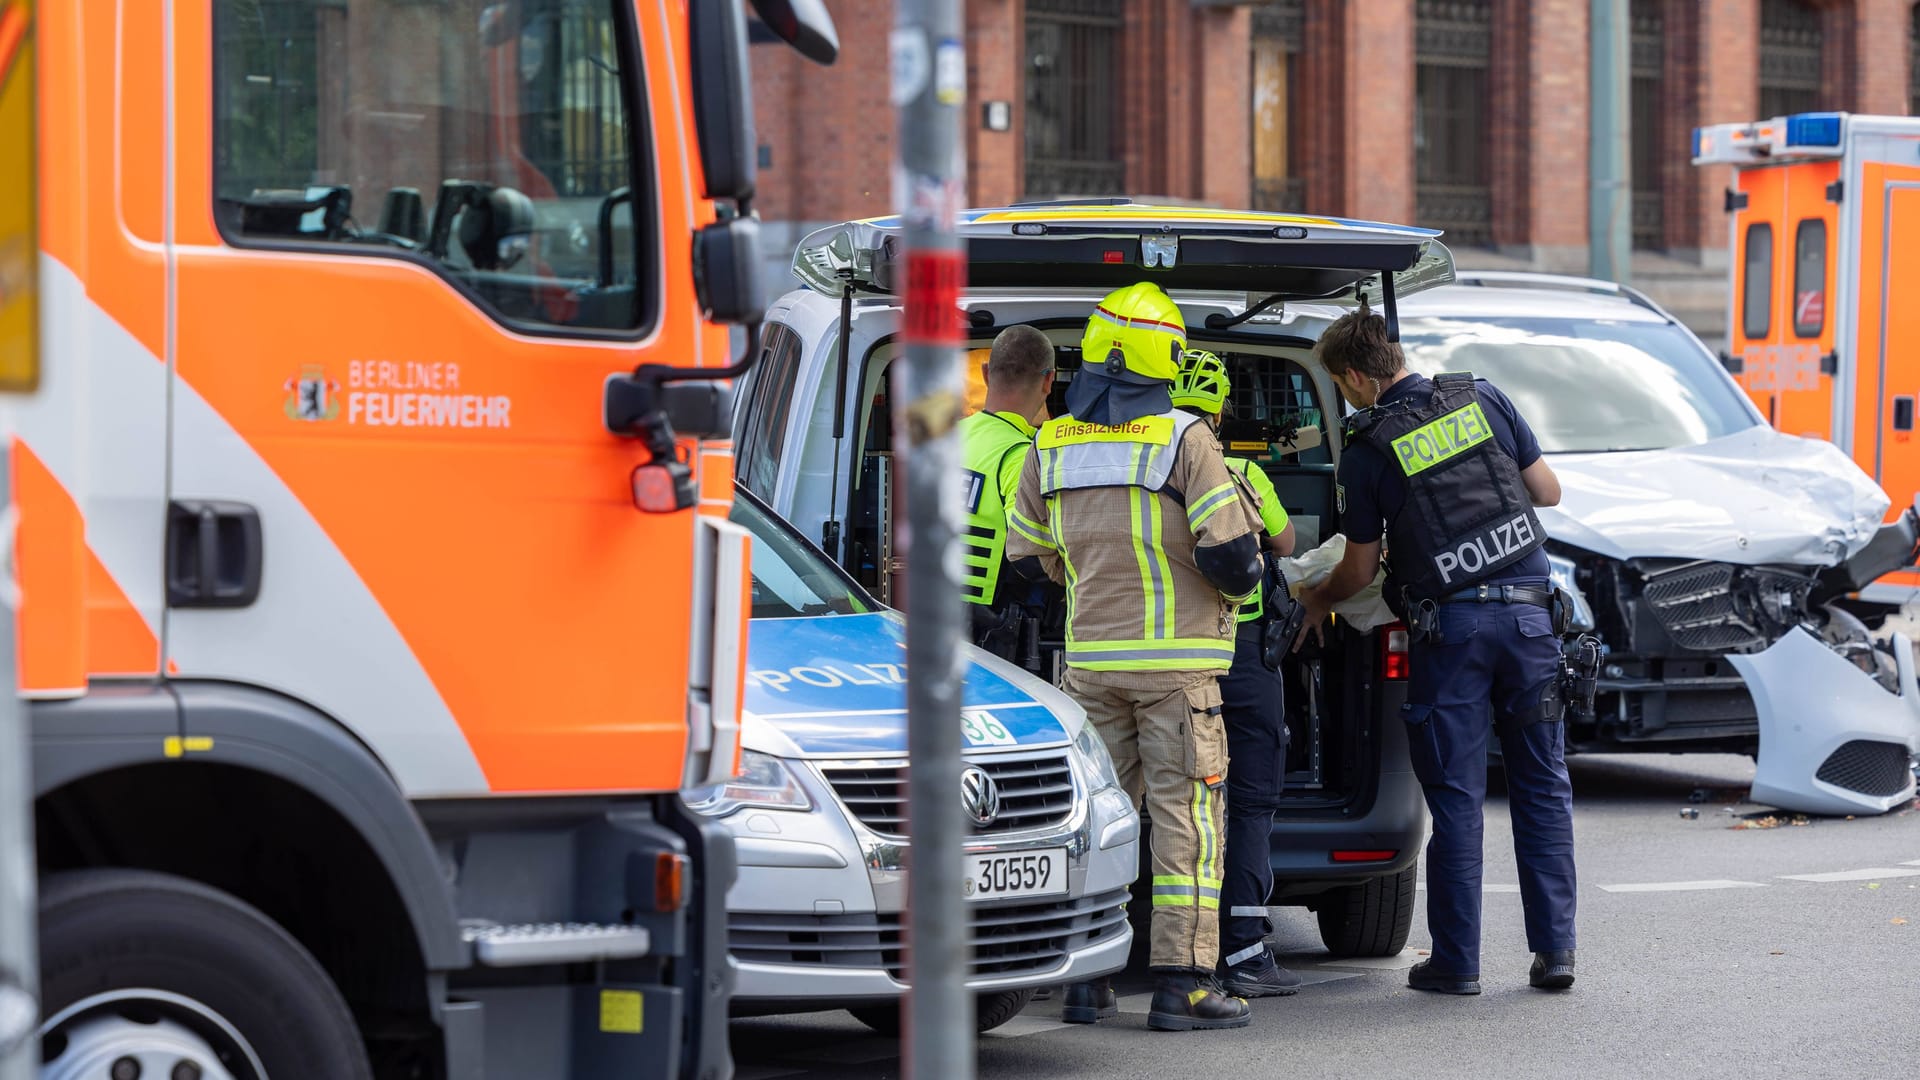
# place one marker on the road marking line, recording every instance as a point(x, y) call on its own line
point(1681, 886)
point(1422, 887)
point(856, 1051)
point(1022, 1026)
point(1911, 862)
point(1397, 962)
point(1869, 874)
point(1312, 978)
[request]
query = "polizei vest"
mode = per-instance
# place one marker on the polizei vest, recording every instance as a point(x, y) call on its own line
point(1467, 516)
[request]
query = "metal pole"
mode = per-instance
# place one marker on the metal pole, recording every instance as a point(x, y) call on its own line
point(19, 954)
point(929, 83)
point(1610, 217)
point(19, 972)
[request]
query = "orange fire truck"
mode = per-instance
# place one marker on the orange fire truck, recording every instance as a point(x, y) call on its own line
point(376, 589)
point(1822, 327)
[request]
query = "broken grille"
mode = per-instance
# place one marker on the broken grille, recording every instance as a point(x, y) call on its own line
point(1720, 607)
point(1006, 940)
point(1036, 791)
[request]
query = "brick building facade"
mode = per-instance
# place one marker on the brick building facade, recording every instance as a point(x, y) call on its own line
point(1466, 115)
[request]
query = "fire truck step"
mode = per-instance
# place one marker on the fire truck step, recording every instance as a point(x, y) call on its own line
point(525, 944)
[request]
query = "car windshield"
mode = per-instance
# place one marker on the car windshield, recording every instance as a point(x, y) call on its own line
point(1588, 384)
point(791, 579)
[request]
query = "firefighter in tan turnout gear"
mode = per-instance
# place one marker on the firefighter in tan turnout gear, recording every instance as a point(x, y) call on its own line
point(1130, 504)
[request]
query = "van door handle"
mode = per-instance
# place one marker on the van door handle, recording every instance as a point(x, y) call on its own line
point(214, 554)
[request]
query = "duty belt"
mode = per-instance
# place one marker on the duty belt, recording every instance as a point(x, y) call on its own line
point(1501, 594)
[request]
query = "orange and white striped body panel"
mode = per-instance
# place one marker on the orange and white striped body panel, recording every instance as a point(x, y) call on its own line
point(451, 562)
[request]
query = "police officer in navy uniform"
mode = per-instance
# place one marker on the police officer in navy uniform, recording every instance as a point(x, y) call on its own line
point(1449, 471)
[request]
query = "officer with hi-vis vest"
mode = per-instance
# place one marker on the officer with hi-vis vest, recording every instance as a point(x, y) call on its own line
point(1253, 705)
point(1449, 471)
point(1129, 503)
point(994, 443)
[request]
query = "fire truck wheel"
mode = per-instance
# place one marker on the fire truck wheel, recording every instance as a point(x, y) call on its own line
point(181, 980)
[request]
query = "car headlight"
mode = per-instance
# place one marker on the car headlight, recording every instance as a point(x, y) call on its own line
point(764, 781)
point(1091, 749)
point(1560, 572)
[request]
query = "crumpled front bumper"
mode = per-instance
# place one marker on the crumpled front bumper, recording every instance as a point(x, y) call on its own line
point(1832, 740)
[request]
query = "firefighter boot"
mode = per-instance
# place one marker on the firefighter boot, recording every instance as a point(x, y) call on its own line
point(1085, 1002)
point(1187, 1001)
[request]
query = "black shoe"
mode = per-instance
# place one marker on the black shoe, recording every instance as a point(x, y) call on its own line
point(1085, 1002)
point(1261, 976)
point(1421, 976)
point(1552, 970)
point(1188, 1002)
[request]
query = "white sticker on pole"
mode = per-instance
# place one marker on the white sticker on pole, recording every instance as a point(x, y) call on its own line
point(950, 72)
point(907, 51)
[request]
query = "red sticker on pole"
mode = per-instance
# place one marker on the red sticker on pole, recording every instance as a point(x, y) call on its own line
point(933, 297)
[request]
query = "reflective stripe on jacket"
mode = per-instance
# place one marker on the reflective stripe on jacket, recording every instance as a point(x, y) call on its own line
point(1116, 513)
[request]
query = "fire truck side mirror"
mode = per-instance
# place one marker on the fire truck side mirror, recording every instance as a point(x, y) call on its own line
point(803, 24)
point(723, 99)
point(726, 270)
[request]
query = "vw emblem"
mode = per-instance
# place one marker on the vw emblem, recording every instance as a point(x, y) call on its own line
point(979, 796)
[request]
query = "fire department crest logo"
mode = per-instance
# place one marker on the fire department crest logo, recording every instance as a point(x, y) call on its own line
point(311, 395)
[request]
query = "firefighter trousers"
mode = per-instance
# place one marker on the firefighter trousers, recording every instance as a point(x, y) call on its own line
point(1169, 745)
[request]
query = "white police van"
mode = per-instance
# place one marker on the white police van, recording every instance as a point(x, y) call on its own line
point(819, 812)
point(814, 439)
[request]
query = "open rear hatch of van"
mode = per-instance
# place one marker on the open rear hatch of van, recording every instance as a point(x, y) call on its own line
point(1078, 251)
point(1111, 244)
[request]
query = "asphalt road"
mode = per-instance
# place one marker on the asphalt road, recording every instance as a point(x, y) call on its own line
point(1727, 961)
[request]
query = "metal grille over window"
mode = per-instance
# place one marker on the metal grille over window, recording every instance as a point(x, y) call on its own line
point(1036, 791)
point(1648, 52)
point(1453, 49)
point(1072, 115)
point(490, 143)
point(1279, 35)
point(1790, 44)
point(1913, 62)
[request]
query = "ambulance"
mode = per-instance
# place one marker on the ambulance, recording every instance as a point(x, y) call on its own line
point(377, 597)
point(1822, 330)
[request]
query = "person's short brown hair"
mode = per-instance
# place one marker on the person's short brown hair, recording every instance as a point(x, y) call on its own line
point(1021, 356)
point(1358, 341)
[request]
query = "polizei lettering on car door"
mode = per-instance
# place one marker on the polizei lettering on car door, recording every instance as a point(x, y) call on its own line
point(1489, 548)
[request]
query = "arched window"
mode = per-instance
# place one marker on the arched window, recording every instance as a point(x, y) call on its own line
point(1790, 43)
point(1453, 49)
point(1649, 142)
point(1278, 33)
point(1073, 98)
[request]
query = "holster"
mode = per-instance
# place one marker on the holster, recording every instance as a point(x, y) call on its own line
point(1281, 616)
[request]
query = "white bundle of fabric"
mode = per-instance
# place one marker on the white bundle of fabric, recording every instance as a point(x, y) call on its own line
point(1365, 609)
